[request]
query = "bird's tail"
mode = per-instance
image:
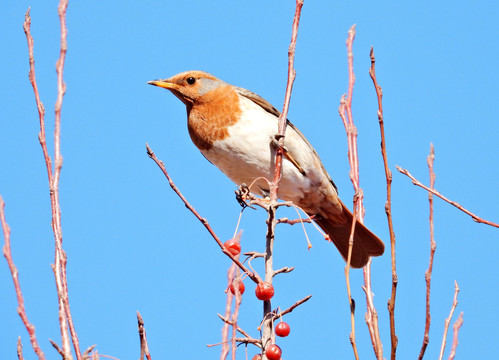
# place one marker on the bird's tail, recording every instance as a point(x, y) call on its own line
point(365, 243)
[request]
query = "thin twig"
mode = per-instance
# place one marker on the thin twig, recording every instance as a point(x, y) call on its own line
point(455, 327)
point(20, 355)
point(250, 340)
point(351, 134)
point(21, 310)
point(283, 270)
point(86, 354)
point(447, 321)
point(267, 333)
point(291, 308)
point(345, 111)
point(388, 206)
point(61, 90)
point(229, 322)
point(57, 348)
point(39, 104)
point(59, 266)
point(144, 347)
point(233, 279)
point(228, 308)
point(433, 246)
point(235, 314)
point(252, 275)
point(293, 221)
point(476, 218)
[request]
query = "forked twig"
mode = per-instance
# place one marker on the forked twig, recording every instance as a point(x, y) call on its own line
point(447, 321)
point(59, 266)
point(345, 111)
point(87, 353)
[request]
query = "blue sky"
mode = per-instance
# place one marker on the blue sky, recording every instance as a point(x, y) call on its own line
point(133, 246)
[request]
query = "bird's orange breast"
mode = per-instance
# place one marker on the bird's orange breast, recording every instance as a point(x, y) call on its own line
point(211, 115)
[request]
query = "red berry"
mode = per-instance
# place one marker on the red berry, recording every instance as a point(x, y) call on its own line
point(257, 357)
point(241, 288)
point(273, 352)
point(282, 329)
point(233, 246)
point(264, 291)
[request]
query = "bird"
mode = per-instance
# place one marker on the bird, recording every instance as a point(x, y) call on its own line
point(235, 129)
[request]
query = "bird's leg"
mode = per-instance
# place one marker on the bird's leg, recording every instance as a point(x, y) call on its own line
point(286, 153)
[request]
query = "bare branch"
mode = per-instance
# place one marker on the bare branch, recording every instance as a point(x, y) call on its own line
point(57, 348)
point(293, 221)
point(267, 333)
point(476, 218)
point(345, 111)
point(229, 322)
point(241, 341)
point(254, 254)
point(455, 327)
point(253, 276)
point(61, 90)
point(144, 347)
point(447, 321)
point(237, 306)
point(19, 349)
point(86, 354)
point(283, 270)
point(228, 308)
point(39, 104)
point(287, 98)
point(388, 206)
point(433, 246)
point(21, 310)
point(291, 308)
point(59, 266)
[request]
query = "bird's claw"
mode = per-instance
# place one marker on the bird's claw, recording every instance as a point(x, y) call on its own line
point(242, 195)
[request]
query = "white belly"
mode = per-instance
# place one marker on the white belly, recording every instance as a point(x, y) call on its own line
point(247, 155)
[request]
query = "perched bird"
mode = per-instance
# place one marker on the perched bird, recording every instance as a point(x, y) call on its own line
point(235, 130)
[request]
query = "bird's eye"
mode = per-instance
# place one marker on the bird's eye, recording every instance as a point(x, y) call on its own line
point(191, 80)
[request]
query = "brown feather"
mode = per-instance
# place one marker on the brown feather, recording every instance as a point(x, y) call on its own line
point(365, 243)
point(210, 116)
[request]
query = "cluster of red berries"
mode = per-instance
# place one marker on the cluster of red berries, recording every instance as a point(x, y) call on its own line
point(273, 351)
point(264, 291)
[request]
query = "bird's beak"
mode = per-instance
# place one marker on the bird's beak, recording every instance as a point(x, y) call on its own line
point(164, 84)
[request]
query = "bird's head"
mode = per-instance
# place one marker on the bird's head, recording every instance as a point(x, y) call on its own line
point(190, 86)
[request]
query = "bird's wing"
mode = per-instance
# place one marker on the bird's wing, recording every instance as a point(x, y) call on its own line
point(257, 99)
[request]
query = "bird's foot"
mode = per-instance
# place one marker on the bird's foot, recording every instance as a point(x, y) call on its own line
point(244, 196)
